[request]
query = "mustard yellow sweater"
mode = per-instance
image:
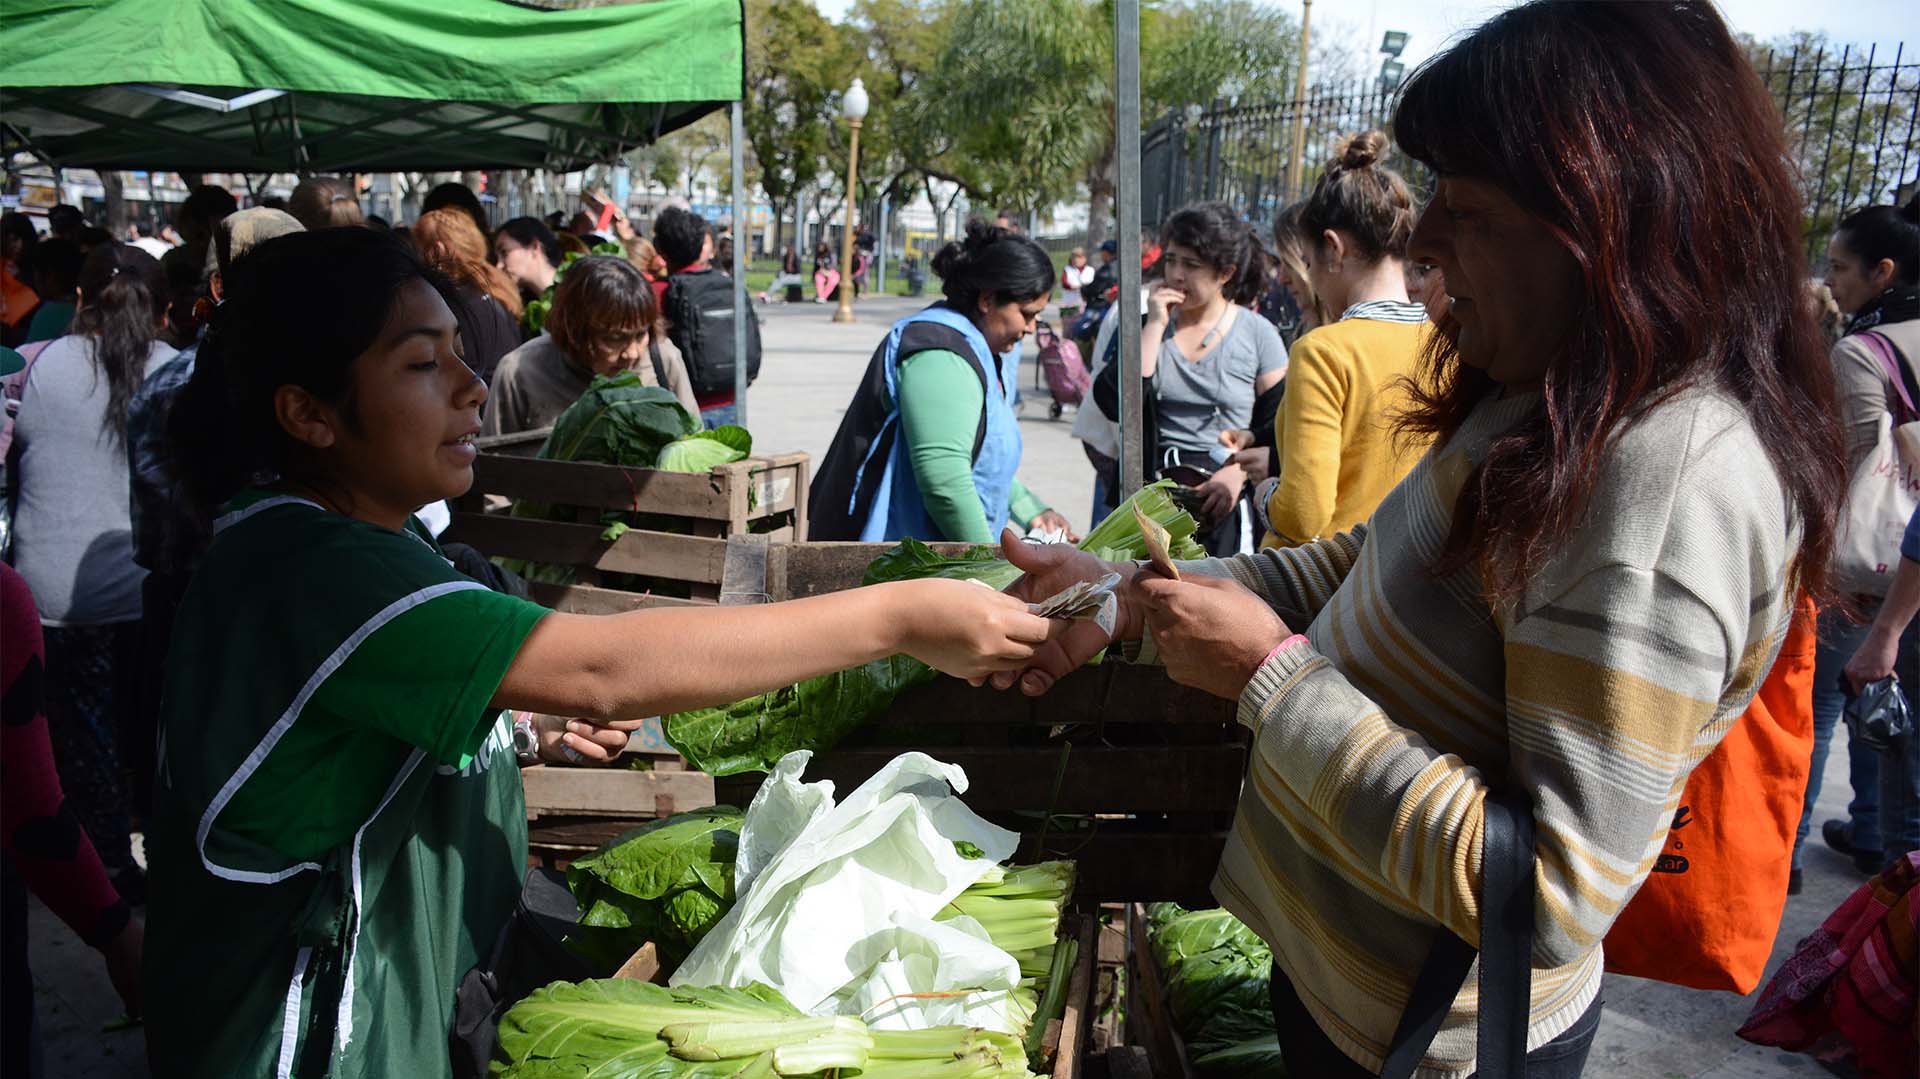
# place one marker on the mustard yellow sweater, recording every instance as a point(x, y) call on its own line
point(1338, 456)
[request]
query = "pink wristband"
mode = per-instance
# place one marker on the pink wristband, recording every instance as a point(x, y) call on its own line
point(1298, 638)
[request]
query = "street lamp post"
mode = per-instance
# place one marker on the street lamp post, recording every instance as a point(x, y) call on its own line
point(854, 107)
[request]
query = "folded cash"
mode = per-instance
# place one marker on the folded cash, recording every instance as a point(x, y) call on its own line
point(1088, 599)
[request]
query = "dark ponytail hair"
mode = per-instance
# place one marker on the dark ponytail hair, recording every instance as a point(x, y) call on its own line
point(1883, 232)
point(1225, 241)
point(1360, 196)
point(122, 294)
point(992, 260)
point(532, 232)
point(298, 310)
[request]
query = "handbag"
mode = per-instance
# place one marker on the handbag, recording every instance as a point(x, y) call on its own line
point(1884, 489)
point(1707, 914)
point(1879, 716)
point(1505, 953)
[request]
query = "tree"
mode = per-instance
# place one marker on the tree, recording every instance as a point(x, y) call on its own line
point(797, 64)
point(1018, 107)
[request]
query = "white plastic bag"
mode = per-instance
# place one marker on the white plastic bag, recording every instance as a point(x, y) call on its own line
point(828, 893)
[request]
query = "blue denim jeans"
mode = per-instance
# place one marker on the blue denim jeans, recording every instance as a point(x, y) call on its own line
point(1900, 764)
point(722, 415)
point(1839, 639)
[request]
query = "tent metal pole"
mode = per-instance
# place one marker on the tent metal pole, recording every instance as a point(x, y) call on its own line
point(1126, 121)
point(742, 236)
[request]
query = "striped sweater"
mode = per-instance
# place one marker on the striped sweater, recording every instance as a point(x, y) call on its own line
point(1632, 653)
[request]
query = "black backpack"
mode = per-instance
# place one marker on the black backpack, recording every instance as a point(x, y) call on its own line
point(699, 311)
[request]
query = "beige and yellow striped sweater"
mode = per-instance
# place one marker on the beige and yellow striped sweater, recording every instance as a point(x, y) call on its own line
point(1631, 654)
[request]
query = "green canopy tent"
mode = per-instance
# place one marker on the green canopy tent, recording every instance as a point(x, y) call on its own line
point(370, 86)
point(324, 86)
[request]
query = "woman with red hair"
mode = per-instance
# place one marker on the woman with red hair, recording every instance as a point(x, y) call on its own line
point(488, 306)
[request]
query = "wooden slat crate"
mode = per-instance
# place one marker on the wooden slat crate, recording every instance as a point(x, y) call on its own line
point(1132, 776)
point(764, 495)
point(1149, 1012)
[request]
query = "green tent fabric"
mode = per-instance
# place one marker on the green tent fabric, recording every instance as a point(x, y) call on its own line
point(369, 86)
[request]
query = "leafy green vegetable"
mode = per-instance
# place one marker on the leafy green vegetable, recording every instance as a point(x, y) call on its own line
point(701, 451)
point(625, 1029)
point(913, 560)
point(667, 881)
point(620, 420)
point(752, 734)
point(1217, 973)
point(612, 1028)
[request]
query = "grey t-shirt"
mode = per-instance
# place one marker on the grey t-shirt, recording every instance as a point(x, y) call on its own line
point(1197, 401)
point(73, 526)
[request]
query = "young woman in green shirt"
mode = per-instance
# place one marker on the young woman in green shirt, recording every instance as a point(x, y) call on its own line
point(339, 833)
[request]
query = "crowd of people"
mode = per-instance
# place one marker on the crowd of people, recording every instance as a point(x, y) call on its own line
point(1514, 495)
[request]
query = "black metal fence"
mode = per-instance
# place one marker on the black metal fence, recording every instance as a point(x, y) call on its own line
point(1851, 117)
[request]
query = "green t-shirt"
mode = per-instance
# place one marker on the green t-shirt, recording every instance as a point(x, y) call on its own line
point(940, 403)
point(339, 833)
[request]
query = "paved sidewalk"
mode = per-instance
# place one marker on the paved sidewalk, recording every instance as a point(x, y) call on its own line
point(1649, 1030)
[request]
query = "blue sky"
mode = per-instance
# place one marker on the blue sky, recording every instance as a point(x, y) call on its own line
point(1431, 22)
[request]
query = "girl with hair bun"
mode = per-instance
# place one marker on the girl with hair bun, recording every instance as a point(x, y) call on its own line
point(1338, 458)
point(339, 833)
point(930, 445)
point(73, 530)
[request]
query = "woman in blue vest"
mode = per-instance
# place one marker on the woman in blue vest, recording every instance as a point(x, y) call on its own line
point(930, 444)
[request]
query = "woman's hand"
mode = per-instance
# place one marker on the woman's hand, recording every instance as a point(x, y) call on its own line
point(1049, 569)
point(1221, 491)
point(578, 741)
point(1159, 303)
point(1051, 521)
point(1211, 632)
point(1872, 661)
point(967, 630)
point(1235, 438)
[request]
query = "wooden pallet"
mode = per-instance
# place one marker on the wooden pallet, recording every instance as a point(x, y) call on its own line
point(765, 496)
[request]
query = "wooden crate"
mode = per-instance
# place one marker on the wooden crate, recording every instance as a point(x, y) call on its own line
point(572, 811)
point(764, 495)
point(1149, 1012)
point(1130, 775)
point(1133, 777)
point(1069, 1039)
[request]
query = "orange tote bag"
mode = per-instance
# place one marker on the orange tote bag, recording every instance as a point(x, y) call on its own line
point(1707, 915)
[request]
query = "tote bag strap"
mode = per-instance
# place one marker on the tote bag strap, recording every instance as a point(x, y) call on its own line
point(1891, 363)
point(1506, 956)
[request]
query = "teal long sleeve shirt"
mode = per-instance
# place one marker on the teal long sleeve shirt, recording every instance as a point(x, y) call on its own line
point(940, 402)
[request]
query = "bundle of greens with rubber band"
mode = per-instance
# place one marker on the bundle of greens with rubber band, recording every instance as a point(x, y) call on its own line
point(751, 734)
